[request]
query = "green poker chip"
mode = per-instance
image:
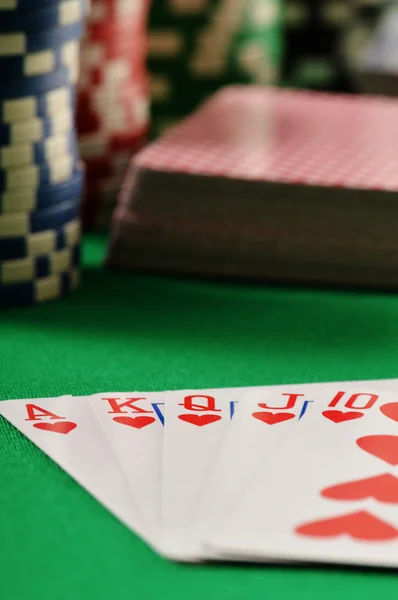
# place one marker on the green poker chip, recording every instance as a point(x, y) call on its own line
point(199, 46)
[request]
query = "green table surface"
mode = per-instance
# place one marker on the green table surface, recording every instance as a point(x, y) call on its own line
point(124, 332)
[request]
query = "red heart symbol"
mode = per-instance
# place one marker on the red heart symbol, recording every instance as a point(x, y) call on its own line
point(273, 418)
point(383, 488)
point(359, 525)
point(390, 410)
point(381, 446)
point(136, 422)
point(199, 420)
point(338, 416)
point(61, 427)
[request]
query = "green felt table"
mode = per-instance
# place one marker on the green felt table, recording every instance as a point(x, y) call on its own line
point(126, 332)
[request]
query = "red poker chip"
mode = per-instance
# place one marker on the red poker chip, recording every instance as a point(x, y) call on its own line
point(131, 29)
point(119, 8)
point(117, 83)
point(131, 107)
point(136, 87)
point(134, 67)
point(115, 140)
point(127, 141)
point(92, 142)
point(110, 51)
point(122, 41)
point(133, 86)
point(128, 11)
point(97, 76)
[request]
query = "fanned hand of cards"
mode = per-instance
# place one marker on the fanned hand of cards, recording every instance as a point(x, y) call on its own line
point(305, 473)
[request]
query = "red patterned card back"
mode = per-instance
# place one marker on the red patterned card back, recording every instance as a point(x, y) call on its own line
point(296, 137)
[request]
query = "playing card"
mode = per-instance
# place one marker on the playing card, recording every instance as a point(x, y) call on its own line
point(263, 418)
point(195, 423)
point(248, 440)
point(66, 430)
point(235, 463)
point(134, 427)
point(329, 493)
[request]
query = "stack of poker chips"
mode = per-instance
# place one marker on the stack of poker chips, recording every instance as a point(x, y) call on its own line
point(113, 101)
point(268, 184)
point(198, 46)
point(40, 175)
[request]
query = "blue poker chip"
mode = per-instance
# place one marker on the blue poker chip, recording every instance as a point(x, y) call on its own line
point(21, 270)
point(35, 199)
point(42, 242)
point(35, 176)
point(24, 67)
point(66, 12)
point(28, 86)
point(21, 43)
point(35, 130)
point(48, 104)
point(46, 265)
point(44, 152)
point(51, 217)
point(23, 5)
point(39, 290)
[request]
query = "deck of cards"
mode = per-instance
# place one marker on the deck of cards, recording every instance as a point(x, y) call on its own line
point(267, 184)
point(296, 473)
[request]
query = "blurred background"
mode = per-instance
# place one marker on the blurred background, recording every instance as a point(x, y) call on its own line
point(128, 71)
point(146, 65)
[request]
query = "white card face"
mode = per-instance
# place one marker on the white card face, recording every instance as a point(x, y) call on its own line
point(260, 423)
point(134, 428)
point(330, 491)
point(195, 424)
point(247, 442)
point(67, 431)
